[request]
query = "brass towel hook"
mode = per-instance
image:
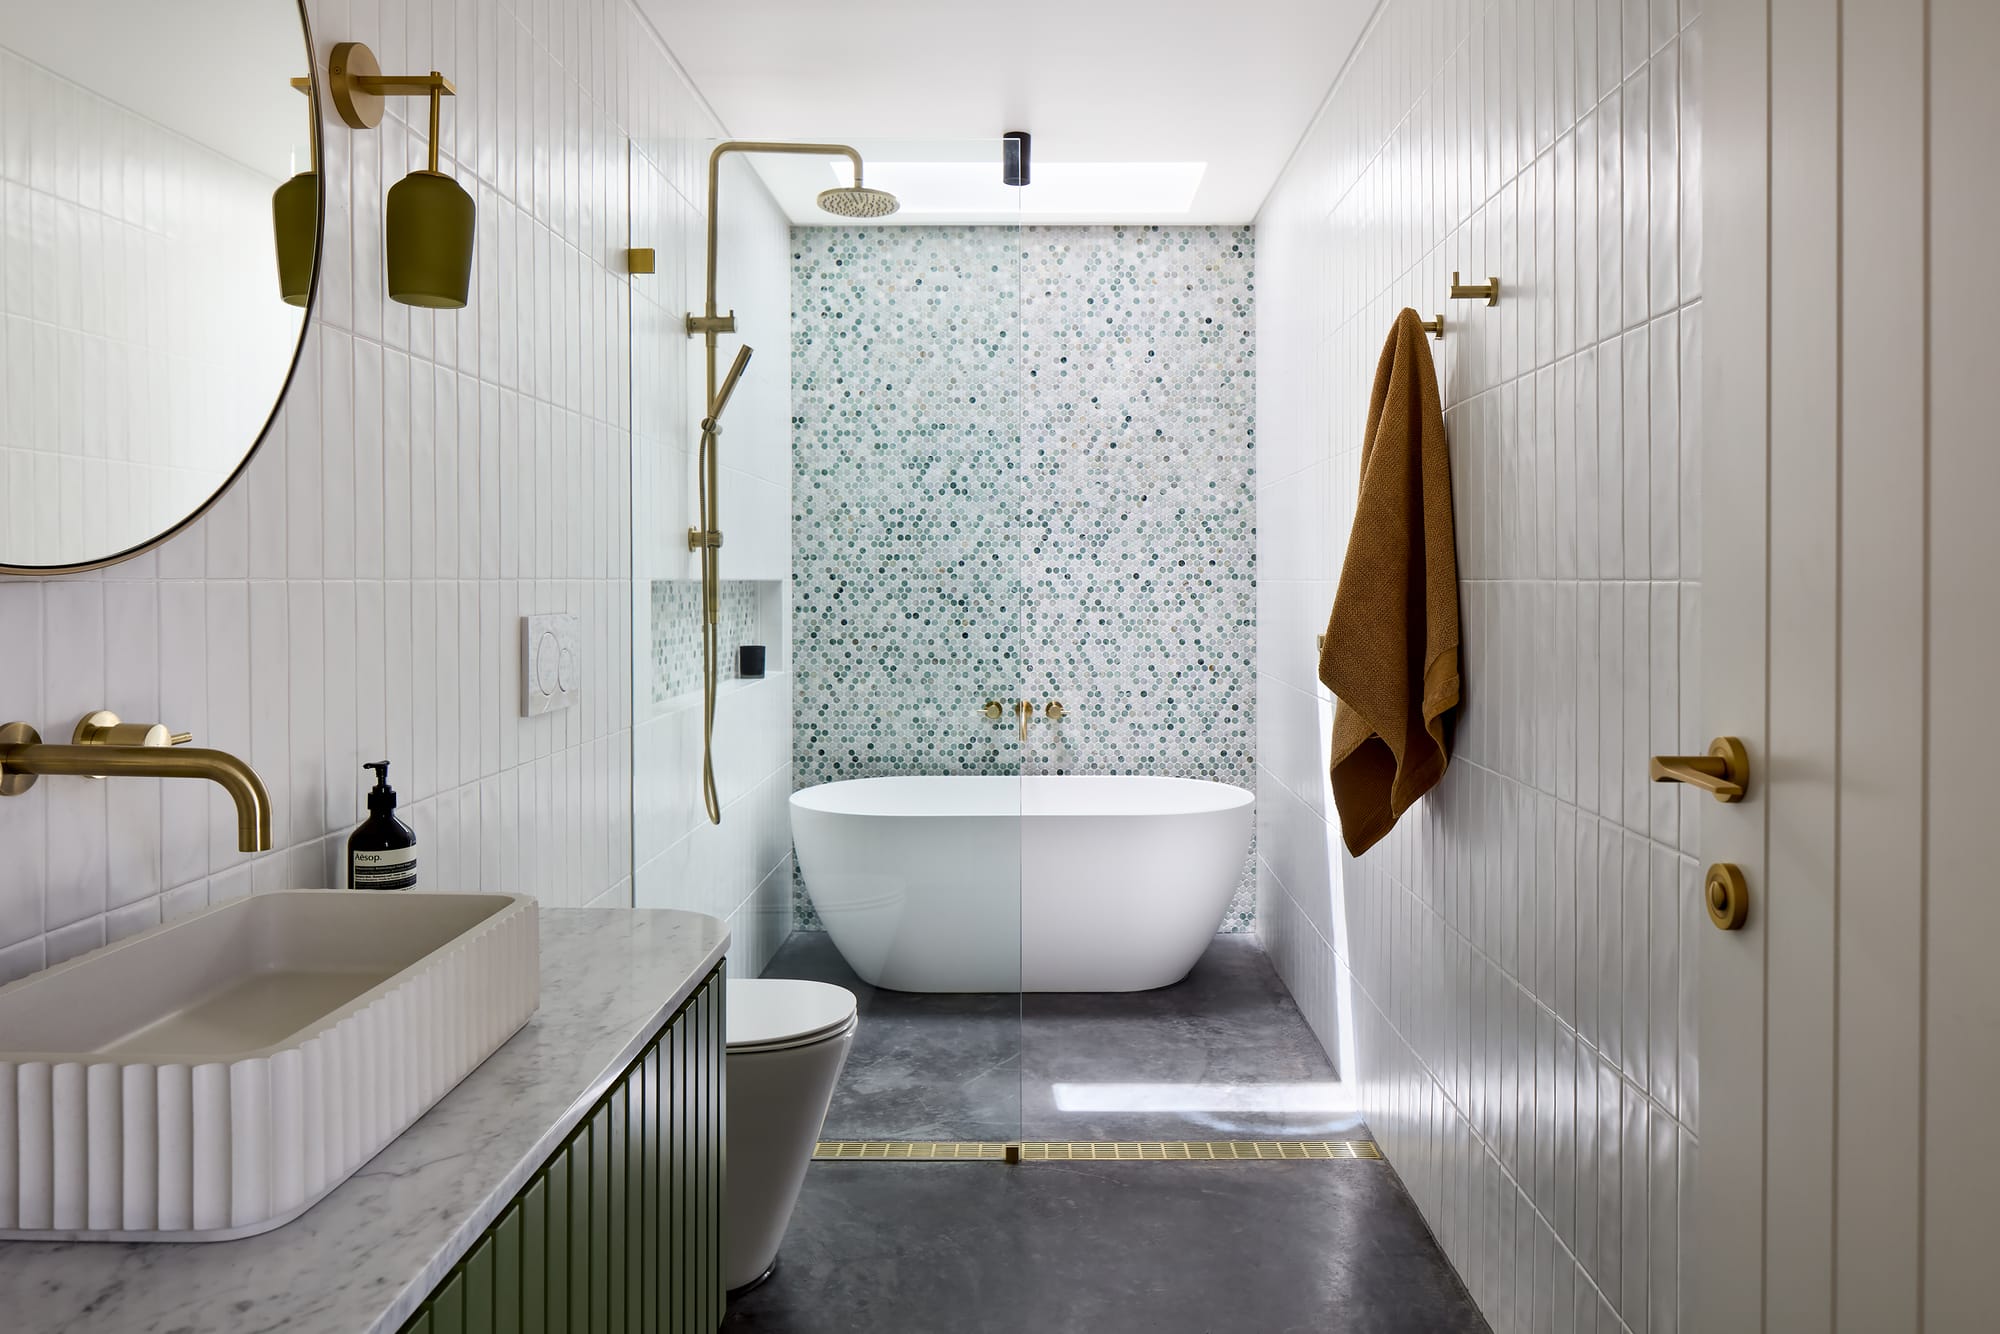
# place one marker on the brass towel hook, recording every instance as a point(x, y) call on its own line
point(1488, 290)
point(1434, 327)
point(1723, 773)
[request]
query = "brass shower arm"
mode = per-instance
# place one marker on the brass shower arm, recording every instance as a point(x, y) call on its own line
point(709, 317)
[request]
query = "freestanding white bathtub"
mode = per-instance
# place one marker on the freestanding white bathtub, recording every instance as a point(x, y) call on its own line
point(1021, 884)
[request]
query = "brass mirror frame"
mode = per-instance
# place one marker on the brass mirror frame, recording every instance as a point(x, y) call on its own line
point(317, 123)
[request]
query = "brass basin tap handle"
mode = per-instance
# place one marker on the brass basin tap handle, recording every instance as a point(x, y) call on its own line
point(1056, 711)
point(993, 710)
point(103, 728)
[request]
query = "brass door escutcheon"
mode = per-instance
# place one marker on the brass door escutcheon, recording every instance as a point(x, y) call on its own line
point(1723, 773)
point(1727, 895)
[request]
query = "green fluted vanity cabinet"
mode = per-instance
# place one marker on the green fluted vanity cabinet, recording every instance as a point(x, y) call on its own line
point(622, 1229)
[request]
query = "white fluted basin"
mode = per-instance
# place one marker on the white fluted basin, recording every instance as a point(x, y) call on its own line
point(217, 1076)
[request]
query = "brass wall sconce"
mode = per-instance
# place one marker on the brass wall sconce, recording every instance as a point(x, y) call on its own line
point(1488, 291)
point(431, 219)
point(295, 222)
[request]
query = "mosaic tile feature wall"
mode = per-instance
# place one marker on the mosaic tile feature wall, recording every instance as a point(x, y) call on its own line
point(1023, 464)
point(676, 633)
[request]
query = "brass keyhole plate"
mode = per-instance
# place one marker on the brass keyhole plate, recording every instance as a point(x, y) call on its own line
point(1727, 895)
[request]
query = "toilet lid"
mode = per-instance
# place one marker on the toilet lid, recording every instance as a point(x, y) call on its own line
point(775, 1011)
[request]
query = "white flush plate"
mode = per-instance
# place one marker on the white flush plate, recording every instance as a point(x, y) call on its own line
point(551, 672)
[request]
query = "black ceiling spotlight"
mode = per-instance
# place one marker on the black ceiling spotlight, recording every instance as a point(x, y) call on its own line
point(1014, 157)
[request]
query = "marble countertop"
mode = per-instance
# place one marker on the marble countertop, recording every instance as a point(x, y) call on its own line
point(363, 1258)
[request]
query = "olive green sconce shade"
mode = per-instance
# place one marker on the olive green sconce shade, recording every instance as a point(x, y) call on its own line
point(429, 241)
point(431, 221)
point(295, 222)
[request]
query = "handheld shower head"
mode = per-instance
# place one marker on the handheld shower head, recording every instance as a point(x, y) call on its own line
point(857, 201)
point(728, 387)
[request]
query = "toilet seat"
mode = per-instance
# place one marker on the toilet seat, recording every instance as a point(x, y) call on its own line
point(778, 1014)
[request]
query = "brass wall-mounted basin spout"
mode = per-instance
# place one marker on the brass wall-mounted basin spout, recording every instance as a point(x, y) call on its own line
point(103, 747)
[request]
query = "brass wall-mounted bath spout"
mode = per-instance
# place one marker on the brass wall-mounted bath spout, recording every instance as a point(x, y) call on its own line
point(104, 747)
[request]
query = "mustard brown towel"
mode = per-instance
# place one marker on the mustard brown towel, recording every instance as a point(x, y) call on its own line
point(1391, 652)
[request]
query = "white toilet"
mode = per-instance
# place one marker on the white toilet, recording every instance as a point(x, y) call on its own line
point(787, 1043)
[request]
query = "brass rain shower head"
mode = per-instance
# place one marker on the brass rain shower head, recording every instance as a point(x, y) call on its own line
point(857, 201)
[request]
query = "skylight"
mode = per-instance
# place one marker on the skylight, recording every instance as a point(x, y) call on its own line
point(1122, 189)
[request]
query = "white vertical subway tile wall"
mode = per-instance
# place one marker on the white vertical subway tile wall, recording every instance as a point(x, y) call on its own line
point(432, 477)
point(1508, 980)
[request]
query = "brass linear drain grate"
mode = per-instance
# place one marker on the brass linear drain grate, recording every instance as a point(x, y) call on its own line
point(909, 1151)
point(1122, 1151)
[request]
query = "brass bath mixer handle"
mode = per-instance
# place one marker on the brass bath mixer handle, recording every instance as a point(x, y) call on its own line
point(1024, 712)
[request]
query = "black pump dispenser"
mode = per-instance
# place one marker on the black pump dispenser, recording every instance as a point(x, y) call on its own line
point(382, 852)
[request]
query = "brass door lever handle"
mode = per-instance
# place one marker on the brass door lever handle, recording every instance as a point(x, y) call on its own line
point(1723, 773)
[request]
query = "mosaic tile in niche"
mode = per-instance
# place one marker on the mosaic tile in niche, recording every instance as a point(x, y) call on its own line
point(677, 633)
point(1023, 463)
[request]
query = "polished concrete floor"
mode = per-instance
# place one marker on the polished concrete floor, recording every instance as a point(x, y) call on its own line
point(1107, 1248)
point(1223, 1054)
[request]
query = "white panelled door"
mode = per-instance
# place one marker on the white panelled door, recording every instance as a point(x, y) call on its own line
point(1850, 1031)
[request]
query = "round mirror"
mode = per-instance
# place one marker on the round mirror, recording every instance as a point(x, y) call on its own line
point(159, 235)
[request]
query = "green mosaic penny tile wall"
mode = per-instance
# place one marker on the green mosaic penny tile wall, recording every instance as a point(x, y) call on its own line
point(1023, 464)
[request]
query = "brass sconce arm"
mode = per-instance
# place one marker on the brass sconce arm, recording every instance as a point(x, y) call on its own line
point(358, 86)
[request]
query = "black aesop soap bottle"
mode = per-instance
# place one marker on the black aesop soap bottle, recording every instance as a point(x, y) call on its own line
point(382, 852)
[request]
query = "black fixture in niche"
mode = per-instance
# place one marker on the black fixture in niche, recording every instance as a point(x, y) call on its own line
point(1014, 157)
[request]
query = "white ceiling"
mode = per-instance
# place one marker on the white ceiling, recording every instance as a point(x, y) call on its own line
point(1233, 85)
